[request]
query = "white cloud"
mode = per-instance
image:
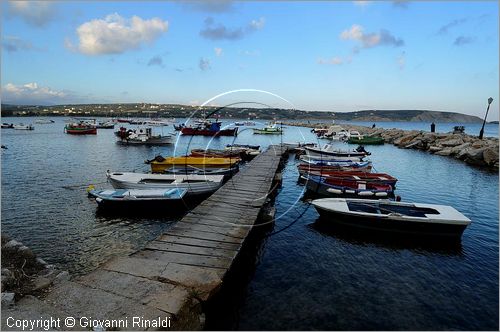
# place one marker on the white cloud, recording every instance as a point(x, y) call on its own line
point(204, 64)
point(332, 61)
point(362, 3)
point(37, 13)
point(258, 24)
point(32, 93)
point(115, 34)
point(218, 51)
point(368, 40)
point(402, 60)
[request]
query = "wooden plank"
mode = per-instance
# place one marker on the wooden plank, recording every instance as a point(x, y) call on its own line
point(236, 232)
point(187, 249)
point(198, 242)
point(204, 236)
point(183, 258)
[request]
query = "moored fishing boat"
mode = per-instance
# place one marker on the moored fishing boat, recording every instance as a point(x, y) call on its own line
point(247, 152)
point(329, 150)
point(366, 140)
point(194, 184)
point(138, 196)
point(7, 125)
point(22, 126)
point(390, 216)
point(270, 129)
point(324, 158)
point(336, 133)
point(209, 129)
point(160, 164)
point(141, 136)
point(202, 170)
point(105, 125)
point(380, 178)
point(44, 121)
point(364, 166)
point(348, 187)
point(80, 128)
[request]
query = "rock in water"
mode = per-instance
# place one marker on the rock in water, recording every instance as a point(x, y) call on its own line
point(490, 156)
point(475, 156)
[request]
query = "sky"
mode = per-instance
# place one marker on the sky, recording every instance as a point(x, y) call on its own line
point(325, 55)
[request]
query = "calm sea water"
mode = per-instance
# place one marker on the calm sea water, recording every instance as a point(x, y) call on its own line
point(303, 274)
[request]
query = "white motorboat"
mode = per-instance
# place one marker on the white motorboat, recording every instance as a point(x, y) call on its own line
point(328, 150)
point(412, 218)
point(22, 126)
point(142, 136)
point(336, 133)
point(44, 121)
point(355, 134)
point(194, 184)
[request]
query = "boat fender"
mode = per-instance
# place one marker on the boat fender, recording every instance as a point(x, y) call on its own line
point(334, 191)
point(381, 194)
point(365, 193)
point(98, 200)
point(348, 191)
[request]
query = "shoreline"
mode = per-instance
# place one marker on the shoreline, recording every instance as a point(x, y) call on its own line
point(465, 147)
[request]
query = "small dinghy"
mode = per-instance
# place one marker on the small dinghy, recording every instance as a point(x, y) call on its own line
point(201, 171)
point(414, 218)
point(347, 187)
point(316, 160)
point(328, 151)
point(364, 166)
point(121, 196)
point(22, 126)
point(194, 184)
point(381, 178)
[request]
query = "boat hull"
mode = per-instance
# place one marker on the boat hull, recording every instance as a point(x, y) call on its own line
point(315, 153)
point(267, 132)
point(369, 223)
point(149, 141)
point(318, 187)
point(206, 132)
point(196, 162)
point(366, 141)
point(92, 131)
point(194, 185)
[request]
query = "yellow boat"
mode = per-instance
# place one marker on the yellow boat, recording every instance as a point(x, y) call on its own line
point(159, 164)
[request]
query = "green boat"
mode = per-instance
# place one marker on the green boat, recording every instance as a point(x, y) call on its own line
point(269, 129)
point(366, 140)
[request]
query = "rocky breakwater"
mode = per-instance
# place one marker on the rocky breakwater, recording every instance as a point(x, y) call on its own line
point(470, 149)
point(24, 274)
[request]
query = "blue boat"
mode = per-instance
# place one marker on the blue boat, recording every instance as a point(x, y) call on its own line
point(128, 196)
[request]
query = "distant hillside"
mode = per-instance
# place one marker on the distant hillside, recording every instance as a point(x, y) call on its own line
point(182, 111)
point(406, 115)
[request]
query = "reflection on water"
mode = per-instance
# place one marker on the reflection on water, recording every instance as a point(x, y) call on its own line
point(388, 240)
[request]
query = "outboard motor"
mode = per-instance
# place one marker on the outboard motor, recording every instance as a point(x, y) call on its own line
point(361, 148)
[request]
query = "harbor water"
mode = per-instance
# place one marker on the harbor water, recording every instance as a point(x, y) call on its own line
point(305, 274)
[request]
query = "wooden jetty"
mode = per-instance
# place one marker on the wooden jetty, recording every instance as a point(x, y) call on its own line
point(168, 280)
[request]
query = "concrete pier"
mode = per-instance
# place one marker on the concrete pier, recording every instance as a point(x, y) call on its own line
point(163, 285)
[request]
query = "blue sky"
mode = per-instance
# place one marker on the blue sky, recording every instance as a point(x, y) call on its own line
point(340, 56)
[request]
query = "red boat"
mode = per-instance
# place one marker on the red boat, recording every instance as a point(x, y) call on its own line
point(376, 178)
point(81, 128)
point(209, 129)
point(331, 186)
